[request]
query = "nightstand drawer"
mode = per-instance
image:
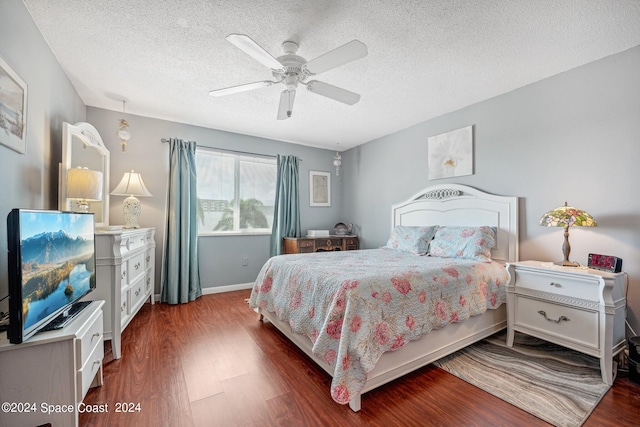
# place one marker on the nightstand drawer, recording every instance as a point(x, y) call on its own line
point(562, 322)
point(87, 373)
point(587, 289)
point(89, 340)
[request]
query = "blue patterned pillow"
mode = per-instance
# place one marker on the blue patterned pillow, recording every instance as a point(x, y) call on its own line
point(411, 239)
point(464, 242)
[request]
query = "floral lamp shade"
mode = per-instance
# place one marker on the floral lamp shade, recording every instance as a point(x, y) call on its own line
point(567, 216)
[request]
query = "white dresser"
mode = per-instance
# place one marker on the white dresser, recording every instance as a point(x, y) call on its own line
point(44, 379)
point(579, 308)
point(125, 266)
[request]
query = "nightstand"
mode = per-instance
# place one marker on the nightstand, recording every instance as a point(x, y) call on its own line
point(579, 308)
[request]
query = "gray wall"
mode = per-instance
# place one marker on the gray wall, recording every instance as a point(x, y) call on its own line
point(574, 137)
point(31, 180)
point(220, 256)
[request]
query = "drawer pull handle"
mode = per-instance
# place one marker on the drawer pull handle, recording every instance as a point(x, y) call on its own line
point(97, 334)
point(137, 266)
point(556, 285)
point(560, 319)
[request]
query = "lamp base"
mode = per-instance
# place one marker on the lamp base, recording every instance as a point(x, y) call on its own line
point(131, 209)
point(567, 264)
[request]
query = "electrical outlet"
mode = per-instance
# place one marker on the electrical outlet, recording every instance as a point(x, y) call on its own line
point(245, 261)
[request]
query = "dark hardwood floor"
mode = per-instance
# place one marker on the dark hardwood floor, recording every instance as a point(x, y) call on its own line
point(212, 363)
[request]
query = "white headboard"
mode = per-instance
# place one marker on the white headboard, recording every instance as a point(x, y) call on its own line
point(455, 204)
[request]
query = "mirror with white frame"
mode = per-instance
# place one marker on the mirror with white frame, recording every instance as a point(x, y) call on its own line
point(82, 147)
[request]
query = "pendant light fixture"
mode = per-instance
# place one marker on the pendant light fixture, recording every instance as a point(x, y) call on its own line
point(337, 162)
point(123, 134)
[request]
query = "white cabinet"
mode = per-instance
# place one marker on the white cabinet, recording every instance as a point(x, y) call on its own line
point(44, 379)
point(579, 308)
point(125, 267)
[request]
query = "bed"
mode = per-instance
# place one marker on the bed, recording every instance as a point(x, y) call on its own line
point(370, 316)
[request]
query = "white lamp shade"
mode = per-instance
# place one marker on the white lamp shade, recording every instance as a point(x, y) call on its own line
point(84, 184)
point(131, 185)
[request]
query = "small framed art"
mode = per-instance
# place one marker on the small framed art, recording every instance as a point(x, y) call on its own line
point(319, 188)
point(13, 109)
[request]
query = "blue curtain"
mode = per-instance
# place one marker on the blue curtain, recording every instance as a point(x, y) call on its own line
point(286, 216)
point(181, 273)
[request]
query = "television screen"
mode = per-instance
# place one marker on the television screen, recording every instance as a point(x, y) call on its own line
point(51, 266)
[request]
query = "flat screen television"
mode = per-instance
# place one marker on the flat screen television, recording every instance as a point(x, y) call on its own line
point(51, 267)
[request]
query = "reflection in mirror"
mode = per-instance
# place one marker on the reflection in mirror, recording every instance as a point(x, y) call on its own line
point(83, 150)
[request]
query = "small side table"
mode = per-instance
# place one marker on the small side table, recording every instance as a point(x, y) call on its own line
point(579, 308)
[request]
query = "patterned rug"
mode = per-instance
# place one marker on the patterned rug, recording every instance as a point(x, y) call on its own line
point(557, 385)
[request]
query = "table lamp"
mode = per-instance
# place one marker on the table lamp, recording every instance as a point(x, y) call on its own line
point(84, 185)
point(567, 216)
point(131, 185)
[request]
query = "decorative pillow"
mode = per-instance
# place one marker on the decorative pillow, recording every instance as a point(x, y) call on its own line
point(464, 242)
point(411, 239)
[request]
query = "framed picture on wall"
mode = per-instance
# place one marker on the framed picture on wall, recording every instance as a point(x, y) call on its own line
point(451, 154)
point(13, 109)
point(319, 188)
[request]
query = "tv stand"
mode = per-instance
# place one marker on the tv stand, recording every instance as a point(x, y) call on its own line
point(52, 368)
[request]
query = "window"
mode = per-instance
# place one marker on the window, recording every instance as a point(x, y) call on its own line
point(236, 192)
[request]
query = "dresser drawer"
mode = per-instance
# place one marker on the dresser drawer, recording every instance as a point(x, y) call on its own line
point(328, 242)
point(305, 243)
point(148, 257)
point(351, 241)
point(124, 274)
point(87, 342)
point(580, 328)
point(136, 266)
point(87, 373)
point(124, 306)
point(148, 281)
point(583, 288)
point(136, 295)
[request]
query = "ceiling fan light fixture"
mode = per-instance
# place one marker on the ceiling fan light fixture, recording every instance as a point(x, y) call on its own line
point(292, 70)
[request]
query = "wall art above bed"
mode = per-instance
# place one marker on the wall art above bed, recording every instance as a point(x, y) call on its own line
point(451, 154)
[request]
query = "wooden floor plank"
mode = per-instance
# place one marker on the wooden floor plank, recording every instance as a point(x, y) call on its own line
point(211, 362)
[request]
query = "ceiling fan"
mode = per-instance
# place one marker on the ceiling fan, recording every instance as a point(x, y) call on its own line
point(292, 70)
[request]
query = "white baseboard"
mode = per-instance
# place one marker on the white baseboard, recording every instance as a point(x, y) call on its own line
point(227, 288)
point(220, 289)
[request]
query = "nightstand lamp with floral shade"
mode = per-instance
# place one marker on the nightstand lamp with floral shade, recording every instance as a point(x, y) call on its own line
point(567, 216)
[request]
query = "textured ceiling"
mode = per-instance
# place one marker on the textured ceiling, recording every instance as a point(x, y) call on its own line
point(426, 58)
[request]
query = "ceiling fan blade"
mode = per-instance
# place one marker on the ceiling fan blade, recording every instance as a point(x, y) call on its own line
point(339, 56)
point(333, 92)
point(240, 88)
point(253, 49)
point(286, 104)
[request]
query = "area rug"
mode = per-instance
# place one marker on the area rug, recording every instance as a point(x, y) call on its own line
point(557, 385)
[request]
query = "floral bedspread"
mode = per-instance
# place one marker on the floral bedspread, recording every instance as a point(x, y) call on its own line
point(356, 305)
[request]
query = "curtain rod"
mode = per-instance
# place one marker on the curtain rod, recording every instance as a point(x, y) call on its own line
point(163, 140)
